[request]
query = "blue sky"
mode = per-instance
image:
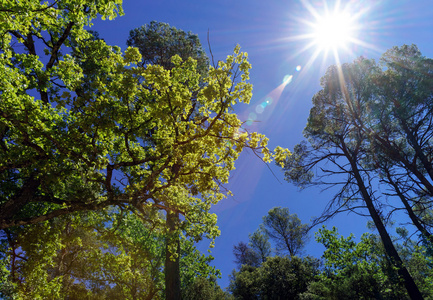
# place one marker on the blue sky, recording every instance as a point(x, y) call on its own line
point(270, 32)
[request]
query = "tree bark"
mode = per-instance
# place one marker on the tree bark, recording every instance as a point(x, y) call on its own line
point(25, 195)
point(172, 269)
point(416, 146)
point(409, 283)
point(409, 209)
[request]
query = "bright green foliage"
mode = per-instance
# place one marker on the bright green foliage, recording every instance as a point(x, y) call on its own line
point(195, 265)
point(102, 255)
point(7, 287)
point(363, 271)
point(81, 256)
point(87, 127)
point(355, 270)
point(94, 128)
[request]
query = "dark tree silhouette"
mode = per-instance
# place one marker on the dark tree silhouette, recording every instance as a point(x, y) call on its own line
point(371, 126)
point(286, 229)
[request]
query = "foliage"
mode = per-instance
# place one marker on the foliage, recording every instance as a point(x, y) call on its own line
point(202, 288)
point(97, 255)
point(262, 276)
point(370, 129)
point(418, 258)
point(286, 229)
point(7, 287)
point(245, 255)
point(85, 127)
point(93, 128)
point(347, 270)
point(81, 256)
point(355, 270)
point(362, 270)
point(194, 265)
point(159, 42)
point(277, 278)
point(245, 284)
point(259, 242)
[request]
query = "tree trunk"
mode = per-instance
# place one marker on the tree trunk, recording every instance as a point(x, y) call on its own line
point(409, 283)
point(409, 209)
point(172, 270)
point(395, 154)
point(416, 146)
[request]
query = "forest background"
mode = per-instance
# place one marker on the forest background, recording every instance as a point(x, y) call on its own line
point(274, 55)
point(270, 32)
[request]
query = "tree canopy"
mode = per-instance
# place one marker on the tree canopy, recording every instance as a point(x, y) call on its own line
point(277, 278)
point(286, 230)
point(111, 160)
point(347, 269)
point(372, 124)
point(98, 255)
point(87, 127)
point(159, 42)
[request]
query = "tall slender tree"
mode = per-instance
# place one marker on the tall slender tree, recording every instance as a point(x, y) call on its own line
point(345, 138)
point(286, 229)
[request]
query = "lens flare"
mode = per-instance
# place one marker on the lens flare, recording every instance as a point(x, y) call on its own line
point(252, 117)
point(287, 79)
point(260, 109)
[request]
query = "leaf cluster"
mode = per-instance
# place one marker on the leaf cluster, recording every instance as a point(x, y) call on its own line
point(84, 126)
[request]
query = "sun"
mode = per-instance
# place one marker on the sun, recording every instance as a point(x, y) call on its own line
point(334, 31)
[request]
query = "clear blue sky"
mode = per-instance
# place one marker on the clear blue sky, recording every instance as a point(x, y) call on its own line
point(269, 31)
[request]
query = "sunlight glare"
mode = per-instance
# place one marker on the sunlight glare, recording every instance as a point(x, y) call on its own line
point(338, 29)
point(333, 31)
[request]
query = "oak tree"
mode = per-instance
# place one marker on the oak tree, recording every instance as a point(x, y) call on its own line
point(100, 255)
point(85, 126)
point(88, 131)
point(158, 43)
